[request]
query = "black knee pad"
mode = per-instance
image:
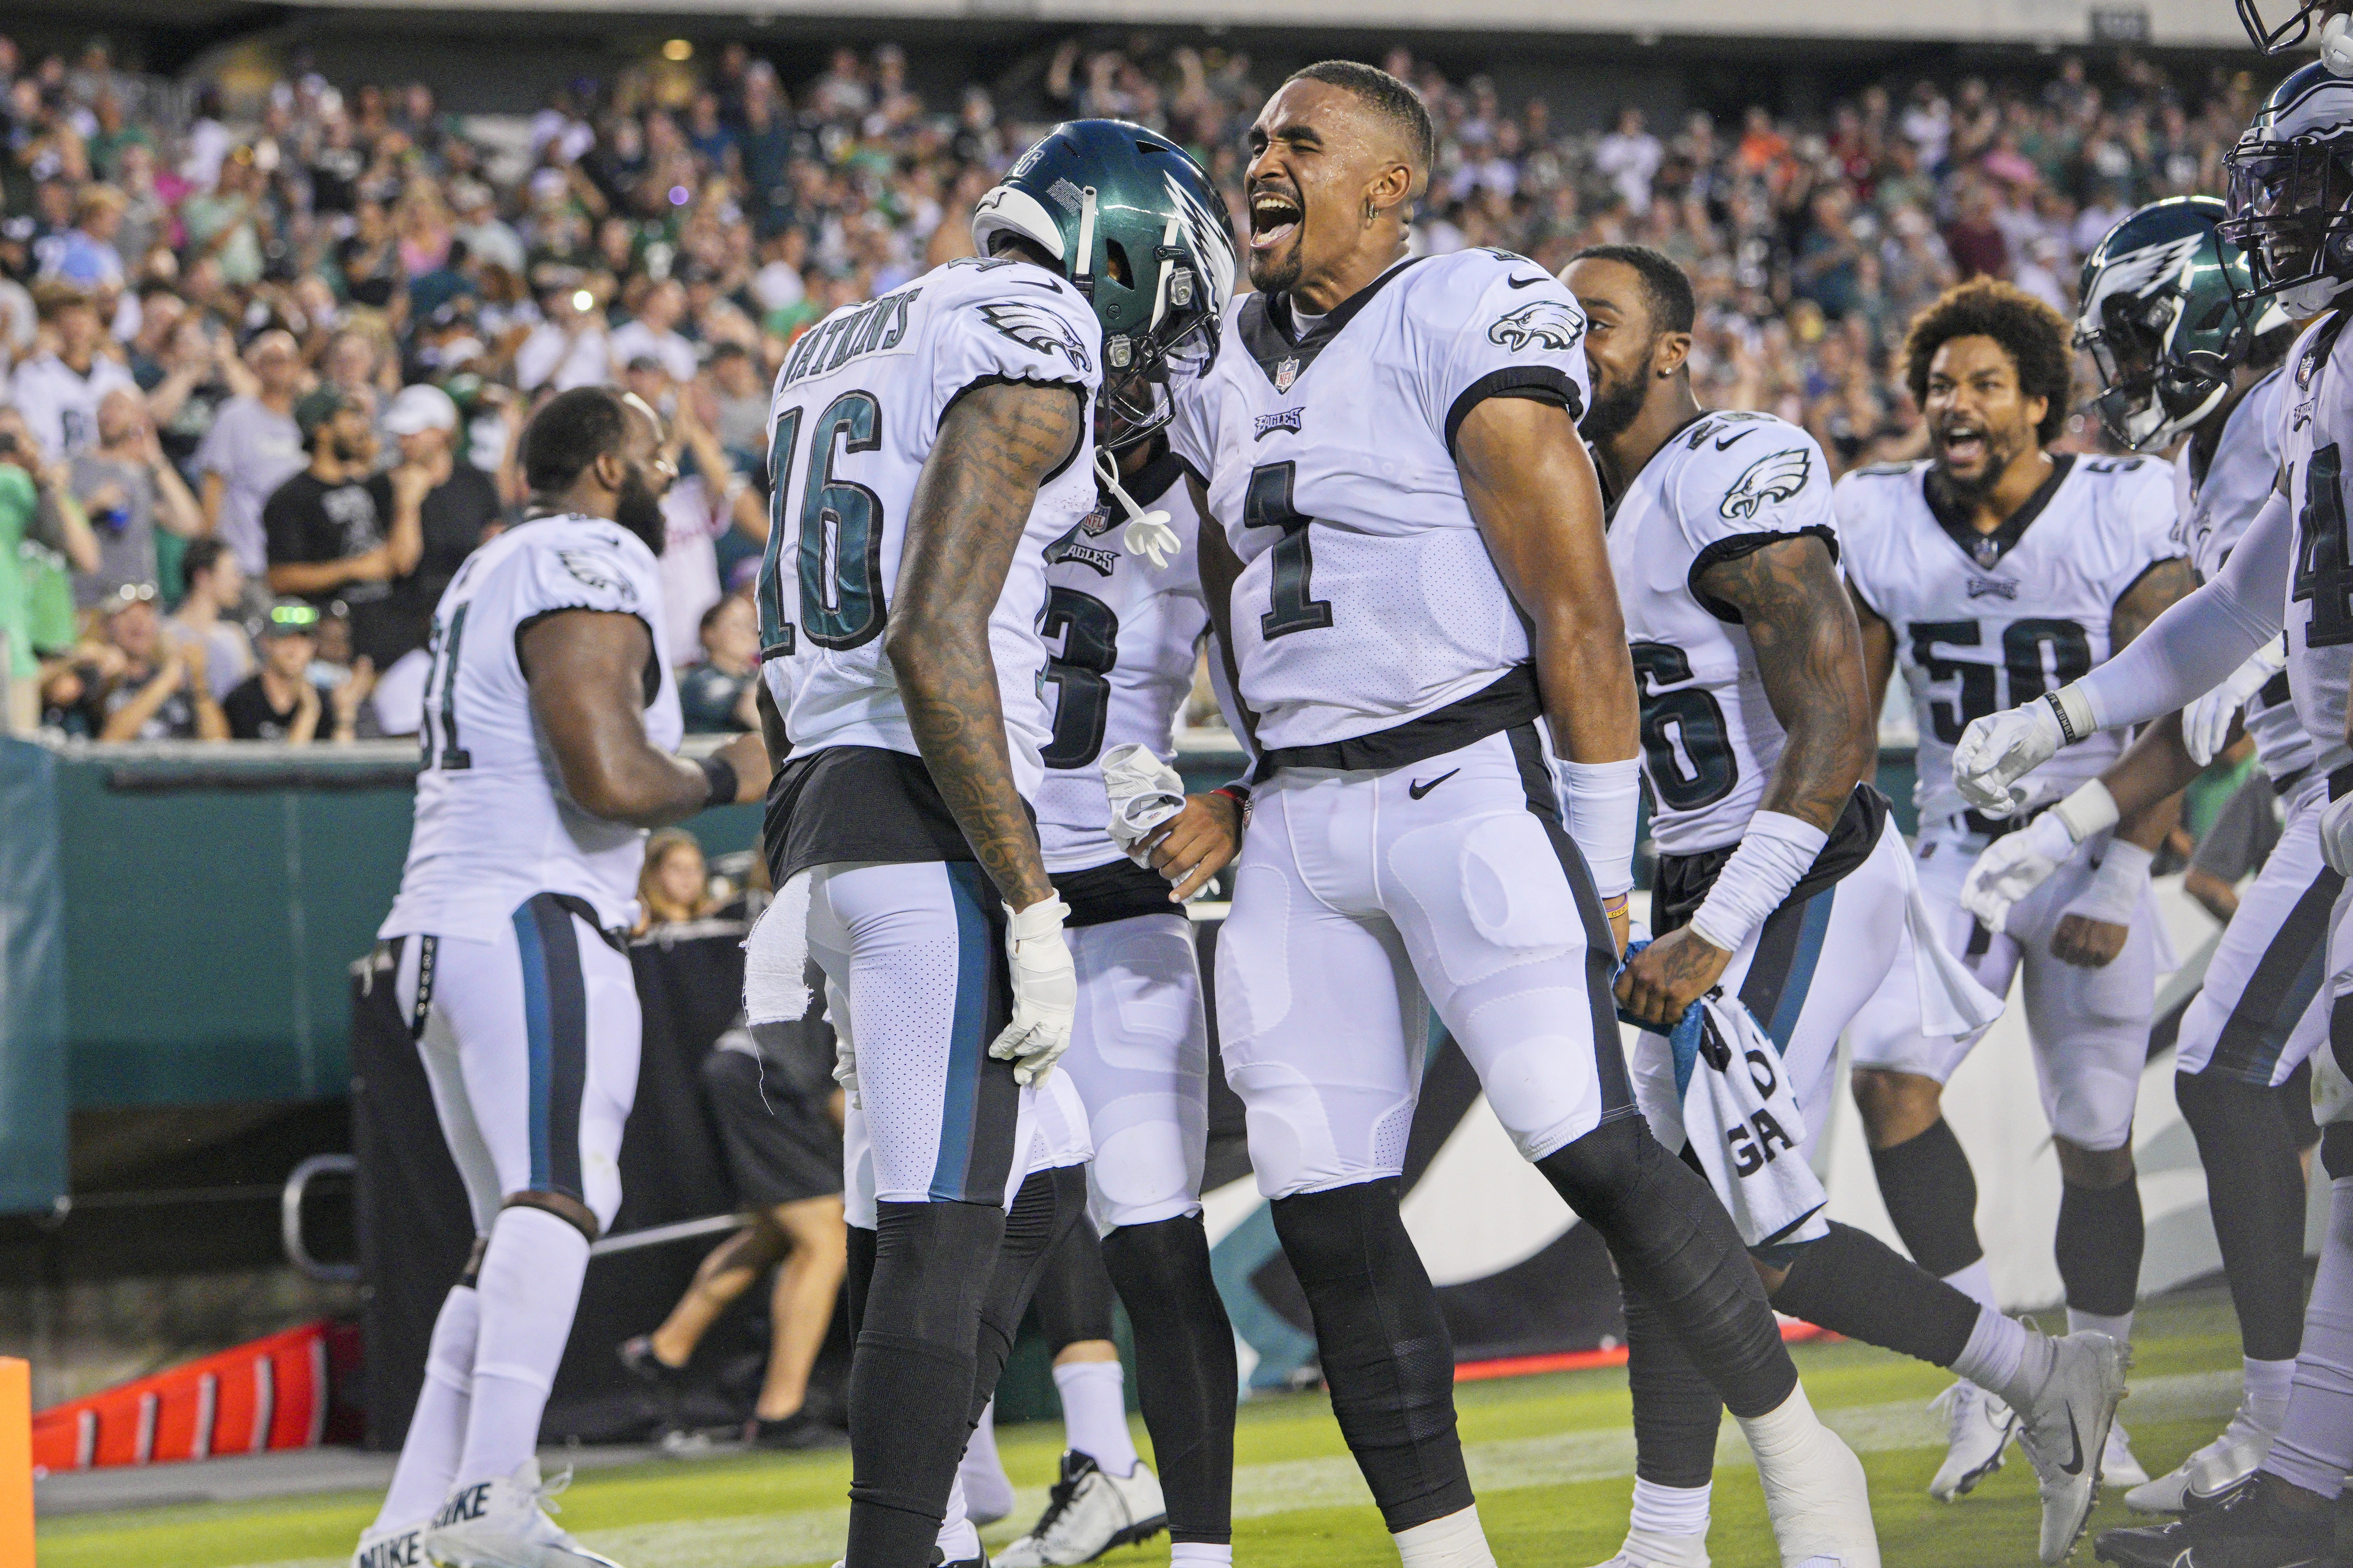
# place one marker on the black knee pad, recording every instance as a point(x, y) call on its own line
point(1853, 1283)
point(1932, 1198)
point(932, 1265)
point(858, 1277)
point(1186, 1376)
point(1049, 1205)
point(1387, 1358)
point(1074, 1296)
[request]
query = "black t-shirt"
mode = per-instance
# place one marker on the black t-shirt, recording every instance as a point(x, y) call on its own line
point(454, 513)
point(252, 718)
point(310, 522)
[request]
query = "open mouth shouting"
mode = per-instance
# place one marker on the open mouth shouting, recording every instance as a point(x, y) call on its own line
point(1275, 216)
point(1963, 443)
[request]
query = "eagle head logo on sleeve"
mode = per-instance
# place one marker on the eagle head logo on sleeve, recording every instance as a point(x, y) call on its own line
point(594, 570)
point(1773, 478)
point(1553, 324)
point(1035, 327)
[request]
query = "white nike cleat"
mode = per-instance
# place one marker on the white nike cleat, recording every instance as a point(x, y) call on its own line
point(1656, 1549)
point(1979, 1425)
point(2063, 1431)
point(2118, 1467)
point(2206, 1477)
point(502, 1523)
point(381, 1547)
point(1088, 1512)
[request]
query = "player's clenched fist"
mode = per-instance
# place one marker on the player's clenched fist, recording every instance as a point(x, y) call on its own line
point(1045, 990)
point(2000, 749)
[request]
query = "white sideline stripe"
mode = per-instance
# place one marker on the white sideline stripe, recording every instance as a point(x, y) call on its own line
point(813, 1535)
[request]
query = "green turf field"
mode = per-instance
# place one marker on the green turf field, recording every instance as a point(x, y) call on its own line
point(1552, 1458)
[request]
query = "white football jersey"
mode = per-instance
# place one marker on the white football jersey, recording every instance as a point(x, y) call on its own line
point(1367, 597)
point(2215, 507)
point(1722, 486)
point(855, 412)
point(2315, 413)
point(1987, 622)
point(494, 826)
point(1122, 635)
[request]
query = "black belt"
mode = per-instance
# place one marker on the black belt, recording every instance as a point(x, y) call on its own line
point(2340, 781)
point(1996, 827)
point(2283, 785)
point(1505, 704)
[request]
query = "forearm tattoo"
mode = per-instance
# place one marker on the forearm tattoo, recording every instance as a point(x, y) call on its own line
point(1810, 654)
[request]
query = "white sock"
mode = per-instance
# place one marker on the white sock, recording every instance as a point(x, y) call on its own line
point(528, 1288)
point(2118, 1329)
point(2266, 1391)
point(1975, 1282)
point(2315, 1447)
point(1453, 1541)
point(987, 1489)
point(1814, 1487)
point(958, 1541)
point(1670, 1511)
point(1199, 1554)
point(437, 1430)
point(1094, 1414)
point(1996, 1354)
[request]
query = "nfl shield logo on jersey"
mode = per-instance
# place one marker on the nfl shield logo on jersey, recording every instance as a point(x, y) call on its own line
point(1285, 374)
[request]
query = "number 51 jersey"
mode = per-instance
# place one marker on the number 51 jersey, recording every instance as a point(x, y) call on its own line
point(1984, 622)
point(855, 414)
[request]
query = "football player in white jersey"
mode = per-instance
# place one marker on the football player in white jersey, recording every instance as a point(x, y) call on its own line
point(2182, 357)
point(1997, 567)
point(929, 447)
point(1403, 552)
point(2291, 184)
point(549, 715)
point(1773, 850)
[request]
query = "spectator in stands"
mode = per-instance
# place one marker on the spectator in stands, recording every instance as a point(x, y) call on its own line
point(127, 491)
point(710, 499)
point(572, 346)
point(279, 702)
point(340, 533)
point(209, 612)
point(741, 394)
point(253, 447)
point(135, 686)
point(58, 390)
point(674, 885)
point(458, 509)
point(719, 694)
point(87, 259)
point(653, 331)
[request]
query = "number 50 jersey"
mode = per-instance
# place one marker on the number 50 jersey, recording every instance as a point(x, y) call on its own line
point(1984, 622)
point(855, 414)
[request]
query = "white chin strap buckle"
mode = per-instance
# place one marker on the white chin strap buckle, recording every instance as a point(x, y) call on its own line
point(1147, 532)
point(2335, 48)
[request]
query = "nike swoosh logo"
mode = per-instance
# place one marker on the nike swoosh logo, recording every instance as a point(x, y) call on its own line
point(2074, 1466)
point(1522, 282)
point(1417, 789)
point(1737, 436)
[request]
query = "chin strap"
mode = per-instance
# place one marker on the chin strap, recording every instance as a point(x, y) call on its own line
point(2335, 48)
point(1148, 533)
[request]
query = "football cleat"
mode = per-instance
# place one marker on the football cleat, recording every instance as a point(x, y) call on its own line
point(798, 1430)
point(1088, 1512)
point(1978, 1426)
point(2063, 1431)
point(2118, 1467)
point(383, 1548)
point(503, 1523)
point(2208, 1476)
point(2250, 1528)
point(1655, 1549)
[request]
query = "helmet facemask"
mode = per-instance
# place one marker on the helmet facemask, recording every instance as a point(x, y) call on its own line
point(2151, 395)
point(2287, 35)
point(2292, 213)
point(1178, 342)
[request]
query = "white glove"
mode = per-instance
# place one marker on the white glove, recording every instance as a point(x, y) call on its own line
point(1045, 991)
point(1144, 792)
point(2000, 749)
point(2336, 836)
point(2206, 724)
point(2014, 866)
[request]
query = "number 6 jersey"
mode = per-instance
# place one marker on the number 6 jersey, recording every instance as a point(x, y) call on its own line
point(1723, 486)
point(1984, 622)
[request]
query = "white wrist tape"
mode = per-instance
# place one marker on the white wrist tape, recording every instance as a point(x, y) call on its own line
point(2073, 705)
point(1603, 798)
point(2091, 809)
point(2116, 887)
point(1777, 851)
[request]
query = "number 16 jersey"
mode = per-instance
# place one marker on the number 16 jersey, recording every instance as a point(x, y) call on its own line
point(1984, 622)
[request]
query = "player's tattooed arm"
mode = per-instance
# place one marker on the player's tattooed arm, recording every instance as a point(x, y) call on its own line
point(586, 671)
point(1810, 653)
point(997, 444)
point(1878, 652)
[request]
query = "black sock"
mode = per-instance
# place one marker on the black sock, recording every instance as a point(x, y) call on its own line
point(1676, 1410)
point(859, 1278)
point(911, 1380)
point(1932, 1197)
point(2099, 1246)
point(2256, 1190)
point(1387, 1358)
point(1049, 1205)
point(1074, 1299)
point(1186, 1377)
point(1676, 1248)
point(1853, 1283)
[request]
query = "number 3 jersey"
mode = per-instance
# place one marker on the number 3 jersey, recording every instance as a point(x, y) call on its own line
point(855, 414)
point(1121, 633)
point(494, 826)
point(1367, 597)
point(1984, 622)
point(1723, 487)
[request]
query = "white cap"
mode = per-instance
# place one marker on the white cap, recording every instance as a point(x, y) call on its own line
point(420, 408)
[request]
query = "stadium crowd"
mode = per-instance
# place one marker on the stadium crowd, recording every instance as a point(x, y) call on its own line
point(263, 363)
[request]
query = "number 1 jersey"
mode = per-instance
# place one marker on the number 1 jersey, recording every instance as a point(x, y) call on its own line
point(855, 414)
point(1984, 622)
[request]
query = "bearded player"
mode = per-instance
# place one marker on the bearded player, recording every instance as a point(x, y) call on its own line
point(549, 715)
point(1402, 548)
point(2291, 179)
point(1774, 851)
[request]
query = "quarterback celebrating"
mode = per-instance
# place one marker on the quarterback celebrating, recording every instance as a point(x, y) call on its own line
point(549, 715)
point(1403, 553)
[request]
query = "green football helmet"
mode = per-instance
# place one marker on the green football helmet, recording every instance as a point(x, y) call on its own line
point(1137, 226)
point(2166, 316)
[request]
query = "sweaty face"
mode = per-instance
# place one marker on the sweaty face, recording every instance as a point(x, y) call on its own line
point(1316, 152)
point(1620, 344)
point(636, 505)
point(1979, 421)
